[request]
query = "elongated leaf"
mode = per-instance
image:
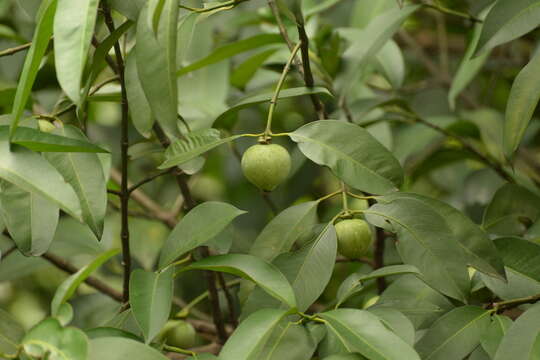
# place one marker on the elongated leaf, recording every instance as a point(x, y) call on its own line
point(372, 39)
point(192, 145)
point(257, 328)
point(469, 65)
point(508, 20)
point(84, 173)
point(353, 283)
point(245, 71)
point(289, 341)
point(119, 348)
point(32, 173)
point(155, 61)
point(150, 297)
point(63, 343)
point(391, 63)
point(510, 210)
point(230, 50)
point(74, 24)
point(265, 275)
point(395, 321)
point(351, 153)
point(425, 241)
point(522, 101)
point(139, 108)
point(520, 340)
point(40, 41)
point(200, 225)
point(11, 334)
point(284, 229)
point(362, 332)
point(521, 256)
point(455, 334)
point(266, 97)
point(29, 218)
point(36, 140)
point(70, 285)
point(494, 334)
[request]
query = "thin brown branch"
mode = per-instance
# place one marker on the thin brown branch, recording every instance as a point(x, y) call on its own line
point(124, 146)
point(148, 179)
point(510, 304)
point(15, 50)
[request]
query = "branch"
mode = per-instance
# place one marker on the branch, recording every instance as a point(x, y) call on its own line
point(509, 304)
point(148, 179)
point(14, 50)
point(124, 146)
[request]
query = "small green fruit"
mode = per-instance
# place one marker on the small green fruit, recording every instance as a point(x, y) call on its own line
point(354, 237)
point(266, 166)
point(180, 334)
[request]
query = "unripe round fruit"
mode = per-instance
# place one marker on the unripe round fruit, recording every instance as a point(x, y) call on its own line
point(266, 165)
point(354, 237)
point(180, 334)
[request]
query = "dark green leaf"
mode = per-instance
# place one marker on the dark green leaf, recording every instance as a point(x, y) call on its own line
point(265, 275)
point(495, 332)
point(508, 20)
point(150, 296)
point(362, 332)
point(70, 285)
point(351, 153)
point(74, 24)
point(521, 340)
point(397, 322)
point(289, 341)
point(11, 334)
point(455, 334)
point(200, 225)
point(245, 71)
point(521, 256)
point(522, 100)
point(29, 218)
point(84, 173)
point(250, 337)
point(119, 348)
point(230, 50)
point(40, 42)
point(104, 331)
point(139, 109)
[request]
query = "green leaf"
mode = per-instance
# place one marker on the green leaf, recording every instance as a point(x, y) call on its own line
point(395, 321)
point(29, 218)
point(192, 145)
point(289, 341)
point(508, 20)
point(469, 65)
point(119, 348)
point(521, 256)
point(32, 173)
point(353, 283)
point(266, 97)
point(105, 331)
point(391, 64)
point(70, 285)
point(37, 140)
point(74, 24)
point(521, 340)
point(200, 225)
point(245, 71)
point(279, 235)
point(455, 334)
point(63, 343)
point(11, 334)
point(40, 42)
point(230, 50)
point(249, 338)
point(139, 108)
point(351, 153)
point(156, 64)
point(129, 9)
point(150, 296)
point(362, 332)
point(511, 209)
point(522, 101)
point(491, 339)
point(84, 173)
point(265, 275)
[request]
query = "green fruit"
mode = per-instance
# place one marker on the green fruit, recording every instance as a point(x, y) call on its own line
point(266, 166)
point(180, 334)
point(354, 237)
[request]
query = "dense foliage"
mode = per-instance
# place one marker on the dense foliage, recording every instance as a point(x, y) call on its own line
point(277, 180)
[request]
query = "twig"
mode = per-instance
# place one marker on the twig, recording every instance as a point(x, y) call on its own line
point(226, 4)
point(233, 317)
point(14, 50)
point(447, 11)
point(148, 179)
point(124, 146)
point(509, 304)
